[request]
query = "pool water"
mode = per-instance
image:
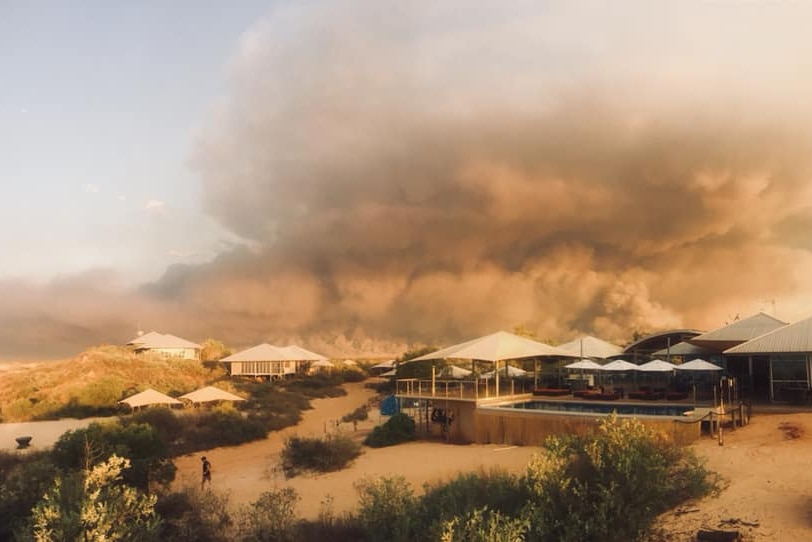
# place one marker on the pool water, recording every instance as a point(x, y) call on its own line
point(623, 409)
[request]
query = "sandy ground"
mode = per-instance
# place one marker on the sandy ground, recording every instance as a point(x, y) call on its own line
point(768, 469)
point(245, 471)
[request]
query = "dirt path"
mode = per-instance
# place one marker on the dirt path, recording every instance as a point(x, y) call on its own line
point(245, 471)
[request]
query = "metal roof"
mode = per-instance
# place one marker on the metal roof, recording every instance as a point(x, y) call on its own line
point(683, 349)
point(154, 340)
point(262, 352)
point(791, 338)
point(740, 330)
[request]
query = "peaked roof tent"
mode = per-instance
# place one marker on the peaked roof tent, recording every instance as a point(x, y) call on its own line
point(737, 332)
point(791, 338)
point(149, 397)
point(591, 347)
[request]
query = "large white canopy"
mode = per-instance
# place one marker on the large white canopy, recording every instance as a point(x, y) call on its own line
point(149, 397)
point(591, 347)
point(620, 365)
point(322, 363)
point(210, 393)
point(496, 347)
point(584, 365)
point(698, 365)
point(657, 366)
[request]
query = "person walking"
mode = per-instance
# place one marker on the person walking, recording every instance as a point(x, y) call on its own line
point(206, 473)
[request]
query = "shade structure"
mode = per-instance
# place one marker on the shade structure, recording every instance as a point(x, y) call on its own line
point(584, 365)
point(620, 365)
point(389, 373)
point(591, 347)
point(210, 393)
point(512, 372)
point(149, 397)
point(698, 365)
point(322, 363)
point(657, 366)
point(497, 347)
point(453, 371)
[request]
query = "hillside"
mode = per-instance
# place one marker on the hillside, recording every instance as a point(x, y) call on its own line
point(94, 382)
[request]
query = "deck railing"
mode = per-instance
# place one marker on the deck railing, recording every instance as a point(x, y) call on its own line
point(462, 389)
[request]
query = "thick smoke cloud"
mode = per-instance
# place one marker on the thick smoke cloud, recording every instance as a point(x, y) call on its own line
point(404, 175)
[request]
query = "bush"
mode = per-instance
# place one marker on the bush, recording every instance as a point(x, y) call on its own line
point(319, 455)
point(358, 415)
point(272, 518)
point(317, 386)
point(24, 479)
point(387, 510)
point(219, 427)
point(500, 493)
point(139, 443)
point(194, 516)
point(397, 429)
point(483, 525)
point(610, 485)
point(353, 374)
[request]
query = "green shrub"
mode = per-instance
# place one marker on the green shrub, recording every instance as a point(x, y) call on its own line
point(496, 491)
point(139, 443)
point(387, 510)
point(219, 427)
point(319, 455)
point(609, 485)
point(24, 479)
point(358, 415)
point(271, 518)
point(316, 386)
point(195, 516)
point(483, 525)
point(397, 429)
point(353, 374)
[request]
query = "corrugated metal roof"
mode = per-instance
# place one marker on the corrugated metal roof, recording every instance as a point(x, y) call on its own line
point(683, 349)
point(742, 330)
point(795, 337)
point(591, 347)
point(262, 352)
point(154, 340)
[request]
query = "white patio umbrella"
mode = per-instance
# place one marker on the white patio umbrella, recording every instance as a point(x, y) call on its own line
point(584, 365)
point(656, 366)
point(698, 365)
point(620, 365)
point(496, 347)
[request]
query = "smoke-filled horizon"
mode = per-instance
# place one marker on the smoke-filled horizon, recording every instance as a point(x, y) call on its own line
point(404, 176)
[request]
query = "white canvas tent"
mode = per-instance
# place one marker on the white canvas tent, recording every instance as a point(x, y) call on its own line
point(210, 393)
point(584, 365)
point(453, 371)
point(149, 397)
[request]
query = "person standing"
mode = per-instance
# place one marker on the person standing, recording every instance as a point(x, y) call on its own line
point(206, 473)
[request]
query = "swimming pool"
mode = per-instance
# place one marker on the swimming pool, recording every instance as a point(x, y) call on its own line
point(623, 409)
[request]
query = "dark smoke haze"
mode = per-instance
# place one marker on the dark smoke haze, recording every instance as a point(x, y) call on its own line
point(403, 177)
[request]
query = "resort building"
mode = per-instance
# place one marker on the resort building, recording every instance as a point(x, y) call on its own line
point(753, 373)
point(166, 345)
point(271, 362)
point(781, 359)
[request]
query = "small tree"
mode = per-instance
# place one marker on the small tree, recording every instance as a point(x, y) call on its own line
point(95, 506)
point(271, 518)
point(387, 509)
point(213, 350)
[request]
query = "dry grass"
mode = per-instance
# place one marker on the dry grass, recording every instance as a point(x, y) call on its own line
point(94, 382)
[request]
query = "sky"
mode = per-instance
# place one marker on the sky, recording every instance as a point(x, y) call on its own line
point(363, 176)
